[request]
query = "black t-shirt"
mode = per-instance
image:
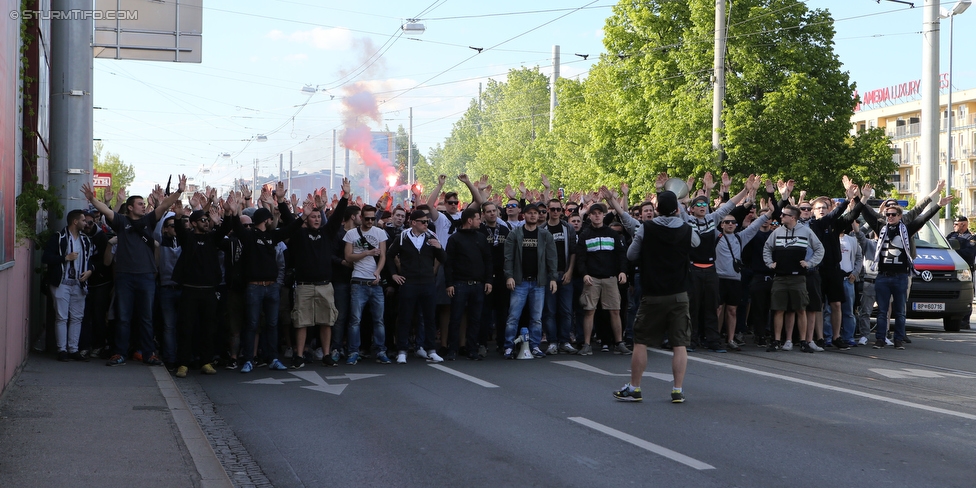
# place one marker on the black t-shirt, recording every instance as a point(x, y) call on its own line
point(559, 235)
point(530, 253)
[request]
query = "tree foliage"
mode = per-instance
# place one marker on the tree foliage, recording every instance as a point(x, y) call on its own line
point(122, 174)
point(646, 106)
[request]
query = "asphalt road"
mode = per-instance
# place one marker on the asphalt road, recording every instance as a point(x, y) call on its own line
point(862, 417)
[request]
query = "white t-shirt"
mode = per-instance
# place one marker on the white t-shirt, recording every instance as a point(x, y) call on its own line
point(847, 244)
point(364, 268)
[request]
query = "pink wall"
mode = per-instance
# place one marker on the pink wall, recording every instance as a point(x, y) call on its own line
point(15, 286)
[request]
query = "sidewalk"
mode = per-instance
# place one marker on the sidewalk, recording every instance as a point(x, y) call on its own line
point(86, 424)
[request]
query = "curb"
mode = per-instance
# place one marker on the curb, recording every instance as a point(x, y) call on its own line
point(212, 474)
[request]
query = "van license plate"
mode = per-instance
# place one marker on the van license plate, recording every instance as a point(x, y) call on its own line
point(928, 307)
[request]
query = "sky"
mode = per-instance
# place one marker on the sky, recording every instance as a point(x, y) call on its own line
point(203, 119)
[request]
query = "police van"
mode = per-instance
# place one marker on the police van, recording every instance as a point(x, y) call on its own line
point(943, 285)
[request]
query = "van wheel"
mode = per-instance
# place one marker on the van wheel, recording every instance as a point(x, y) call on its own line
point(953, 324)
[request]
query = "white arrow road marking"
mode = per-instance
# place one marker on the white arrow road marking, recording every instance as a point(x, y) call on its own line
point(270, 381)
point(916, 373)
point(641, 443)
point(594, 369)
point(463, 376)
point(320, 384)
point(352, 376)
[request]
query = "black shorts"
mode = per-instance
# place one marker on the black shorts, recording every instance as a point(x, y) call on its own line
point(832, 285)
point(729, 292)
point(815, 303)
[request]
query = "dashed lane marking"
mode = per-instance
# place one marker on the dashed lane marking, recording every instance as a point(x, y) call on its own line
point(641, 443)
point(463, 376)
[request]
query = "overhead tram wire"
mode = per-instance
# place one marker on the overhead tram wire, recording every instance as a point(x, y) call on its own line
point(526, 12)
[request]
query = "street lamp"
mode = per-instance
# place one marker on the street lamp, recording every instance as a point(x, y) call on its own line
point(958, 8)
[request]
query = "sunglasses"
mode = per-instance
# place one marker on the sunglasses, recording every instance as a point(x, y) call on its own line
point(511, 205)
point(369, 218)
point(820, 208)
point(424, 222)
point(246, 226)
point(729, 222)
point(892, 214)
point(774, 224)
point(455, 202)
point(788, 215)
point(555, 209)
point(700, 204)
point(171, 226)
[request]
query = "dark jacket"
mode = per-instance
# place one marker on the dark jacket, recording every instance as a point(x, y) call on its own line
point(546, 256)
point(198, 264)
point(311, 250)
point(417, 266)
point(468, 258)
point(600, 253)
point(259, 257)
point(55, 251)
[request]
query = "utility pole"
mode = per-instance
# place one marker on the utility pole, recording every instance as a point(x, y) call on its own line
point(281, 166)
point(929, 172)
point(290, 163)
point(71, 118)
point(410, 156)
point(718, 79)
point(332, 175)
point(254, 182)
point(552, 86)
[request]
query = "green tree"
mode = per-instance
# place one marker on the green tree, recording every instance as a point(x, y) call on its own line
point(873, 160)
point(122, 174)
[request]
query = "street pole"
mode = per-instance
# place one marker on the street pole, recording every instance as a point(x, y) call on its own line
point(410, 156)
point(948, 189)
point(332, 175)
point(552, 86)
point(718, 85)
point(929, 171)
point(291, 161)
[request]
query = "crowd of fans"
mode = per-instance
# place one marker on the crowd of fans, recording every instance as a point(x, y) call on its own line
point(245, 281)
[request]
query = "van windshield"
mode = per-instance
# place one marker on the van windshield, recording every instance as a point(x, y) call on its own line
point(930, 237)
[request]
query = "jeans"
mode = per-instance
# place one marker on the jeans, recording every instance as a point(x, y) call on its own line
point(412, 297)
point(69, 306)
point(258, 299)
point(94, 326)
point(703, 295)
point(134, 294)
point(865, 309)
point(341, 292)
point(169, 304)
point(847, 313)
point(533, 295)
point(494, 313)
point(198, 318)
point(558, 316)
point(894, 288)
point(471, 299)
point(359, 295)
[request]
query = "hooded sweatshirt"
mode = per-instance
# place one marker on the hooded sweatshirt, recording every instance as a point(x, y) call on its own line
point(661, 247)
point(787, 247)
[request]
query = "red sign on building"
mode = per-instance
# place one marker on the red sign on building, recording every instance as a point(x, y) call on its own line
point(102, 180)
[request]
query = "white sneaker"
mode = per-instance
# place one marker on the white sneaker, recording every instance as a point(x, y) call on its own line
point(432, 357)
point(888, 342)
point(567, 348)
point(402, 357)
point(788, 346)
point(815, 347)
point(318, 354)
point(552, 350)
point(863, 341)
point(289, 352)
point(421, 353)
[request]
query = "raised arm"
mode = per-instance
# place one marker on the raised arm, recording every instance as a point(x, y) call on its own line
point(171, 198)
point(109, 214)
point(432, 199)
point(476, 196)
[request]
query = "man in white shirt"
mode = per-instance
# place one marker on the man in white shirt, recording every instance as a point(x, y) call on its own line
point(366, 249)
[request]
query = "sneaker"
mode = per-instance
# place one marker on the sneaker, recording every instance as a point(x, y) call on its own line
point(677, 396)
point(433, 357)
point(382, 358)
point(774, 346)
point(733, 346)
point(621, 348)
point(482, 351)
point(788, 346)
point(208, 369)
point(740, 338)
point(353, 359)
point(760, 341)
point(289, 352)
point(116, 360)
point(260, 363)
point(907, 340)
point(819, 343)
point(181, 371)
point(552, 350)
point(97, 352)
point(420, 353)
point(604, 348)
point(880, 344)
point(900, 345)
point(402, 357)
point(628, 394)
point(450, 356)
point(536, 352)
point(318, 354)
point(335, 356)
point(297, 362)
point(475, 357)
point(586, 350)
point(153, 361)
point(508, 353)
point(79, 356)
point(841, 345)
point(248, 367)
point(330, 360)
point(863, 341)
point(63, 356)
point(277, 366)
point(137, 356)
point(716, 348)
point(568, 348)
point(231, 364)
point(816, 347)
point(807, 346)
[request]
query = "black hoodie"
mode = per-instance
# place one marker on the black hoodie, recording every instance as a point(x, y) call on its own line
point(661, 248)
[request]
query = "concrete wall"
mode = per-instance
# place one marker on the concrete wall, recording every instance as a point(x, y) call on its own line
point(15, 287)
